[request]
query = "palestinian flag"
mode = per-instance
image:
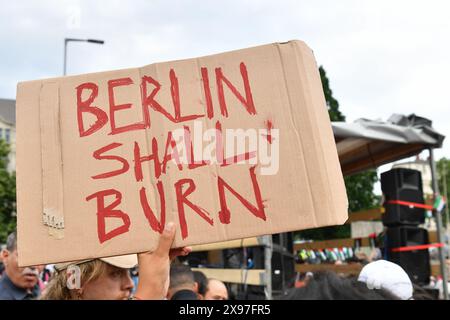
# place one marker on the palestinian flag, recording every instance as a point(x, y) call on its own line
point(439, 203)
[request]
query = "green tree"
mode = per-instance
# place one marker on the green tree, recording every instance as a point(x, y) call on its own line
point(332, 104)
point(359, 186)
point(7, 194)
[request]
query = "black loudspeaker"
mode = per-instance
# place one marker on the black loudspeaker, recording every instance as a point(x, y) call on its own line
point(403, 185)
point(416, 263)
point(289, 271)
point(283, 272)
point(284, 240)
point(282, 264)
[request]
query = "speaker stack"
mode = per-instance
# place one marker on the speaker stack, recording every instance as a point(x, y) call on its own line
point(282, 265)
point(404, 212)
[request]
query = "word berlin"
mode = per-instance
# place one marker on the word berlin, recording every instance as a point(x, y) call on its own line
point(183, 187)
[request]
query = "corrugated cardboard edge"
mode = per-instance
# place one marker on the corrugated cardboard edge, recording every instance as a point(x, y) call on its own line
point(297, 58)
point(52, 176)
point(334, 179)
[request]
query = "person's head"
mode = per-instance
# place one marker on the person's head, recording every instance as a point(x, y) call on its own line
point(94, 279)
point(216, 290)
point(382, 274)
point(25, 278)
point(201, 282)
point(329, 286)
point(181, 278)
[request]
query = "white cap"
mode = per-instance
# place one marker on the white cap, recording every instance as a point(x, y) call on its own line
point(389, 276)
point(123, 262)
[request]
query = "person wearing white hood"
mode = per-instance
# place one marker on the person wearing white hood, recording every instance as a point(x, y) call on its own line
point(382, 274)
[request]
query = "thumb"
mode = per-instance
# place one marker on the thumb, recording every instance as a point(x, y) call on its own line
point(166, 240)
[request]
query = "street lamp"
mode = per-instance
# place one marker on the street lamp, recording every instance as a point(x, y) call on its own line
point(67, 40)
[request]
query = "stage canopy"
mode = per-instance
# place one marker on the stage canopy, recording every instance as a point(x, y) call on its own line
point(366, 144)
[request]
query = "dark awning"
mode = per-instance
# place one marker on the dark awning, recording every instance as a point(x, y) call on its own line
point(366, 144)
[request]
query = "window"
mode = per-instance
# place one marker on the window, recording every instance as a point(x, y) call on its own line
point(1, 133)
point(7, 135)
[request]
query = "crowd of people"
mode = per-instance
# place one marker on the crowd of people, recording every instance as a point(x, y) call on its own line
point(159, 275)
point(113, 278)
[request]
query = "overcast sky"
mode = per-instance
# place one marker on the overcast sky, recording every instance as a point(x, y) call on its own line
point(381, 57)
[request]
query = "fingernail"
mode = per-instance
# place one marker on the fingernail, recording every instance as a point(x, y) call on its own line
point(169, 227)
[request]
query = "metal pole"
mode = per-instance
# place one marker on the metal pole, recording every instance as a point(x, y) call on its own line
point(65, 56)
point(66, 40)
point(437, 216)
point(444, 184)
point(268, 266)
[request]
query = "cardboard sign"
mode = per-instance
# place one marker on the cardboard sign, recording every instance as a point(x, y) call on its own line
point(227, 146)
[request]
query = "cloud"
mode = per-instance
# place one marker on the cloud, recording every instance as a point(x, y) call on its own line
point(382, 57)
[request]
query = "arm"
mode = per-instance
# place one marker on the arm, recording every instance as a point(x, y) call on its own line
point(154, 266)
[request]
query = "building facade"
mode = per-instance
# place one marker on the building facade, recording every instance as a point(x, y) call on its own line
point(8, 129)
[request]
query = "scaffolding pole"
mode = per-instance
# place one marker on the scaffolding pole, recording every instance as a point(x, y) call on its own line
point(268, 249)
point(437, 216)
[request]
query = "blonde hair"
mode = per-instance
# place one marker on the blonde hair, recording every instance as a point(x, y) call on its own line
point(57, 288)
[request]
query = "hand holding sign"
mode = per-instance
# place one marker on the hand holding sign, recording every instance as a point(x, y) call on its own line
point(154, 267)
